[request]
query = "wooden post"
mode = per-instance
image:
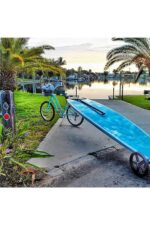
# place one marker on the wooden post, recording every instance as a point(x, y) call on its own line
point(34, 88)
point(76, 91)
point(8, 110)
point(120, 87)
point(113, 93)
point(122, 91)
point(23, 87)
point(34, 84)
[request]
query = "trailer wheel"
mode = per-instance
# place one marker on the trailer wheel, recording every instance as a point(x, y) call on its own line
point(139, 164)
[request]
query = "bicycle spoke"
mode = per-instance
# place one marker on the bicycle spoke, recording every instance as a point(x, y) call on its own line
point(141, 163)
point(137, 158)
point(47, 111)
point(74, 117)
point(134, 164)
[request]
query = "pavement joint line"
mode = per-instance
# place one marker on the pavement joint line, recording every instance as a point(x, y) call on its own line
point(58, 175)
point(105, 149)
point(83, 156)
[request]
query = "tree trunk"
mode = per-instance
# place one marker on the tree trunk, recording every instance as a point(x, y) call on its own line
point(139, 74)
point(149, 72)
point(7, 81)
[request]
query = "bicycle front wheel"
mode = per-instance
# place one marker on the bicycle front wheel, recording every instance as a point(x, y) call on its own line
point(74, 118)
point(47, 111)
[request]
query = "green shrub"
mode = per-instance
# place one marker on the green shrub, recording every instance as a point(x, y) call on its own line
point(14, 165)
point(1, 131)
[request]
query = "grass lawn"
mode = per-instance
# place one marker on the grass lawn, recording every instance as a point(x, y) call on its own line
point(27, 112)
point(138, 100)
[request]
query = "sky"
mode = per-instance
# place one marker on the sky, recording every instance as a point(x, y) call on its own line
point(89, 53)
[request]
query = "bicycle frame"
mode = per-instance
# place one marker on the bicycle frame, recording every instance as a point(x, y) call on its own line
point(53, 100)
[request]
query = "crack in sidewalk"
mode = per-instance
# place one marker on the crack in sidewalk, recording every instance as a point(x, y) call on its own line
point(61, 174)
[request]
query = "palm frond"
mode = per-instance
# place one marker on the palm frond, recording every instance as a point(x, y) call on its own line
point(18, 58)
point(135, 50)
point(19, 44)
point(118, 58)
point(126, 49)
point(123, 65)
point(7, 42)
point(139, 43)
point(47, 47)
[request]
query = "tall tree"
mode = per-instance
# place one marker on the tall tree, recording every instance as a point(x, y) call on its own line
point(60, 61)
point(135, 51)
point(16, 57)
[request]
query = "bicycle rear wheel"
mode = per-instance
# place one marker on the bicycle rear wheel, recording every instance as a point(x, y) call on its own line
point(47, 111)
point(74, 118)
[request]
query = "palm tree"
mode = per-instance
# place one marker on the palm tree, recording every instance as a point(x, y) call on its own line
point(135, 51)
point(59, 62)
point(16, 57)
point(79, 69)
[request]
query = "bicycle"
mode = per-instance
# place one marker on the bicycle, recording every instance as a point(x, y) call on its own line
point(48, 109)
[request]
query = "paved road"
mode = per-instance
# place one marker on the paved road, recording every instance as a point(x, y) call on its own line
point(112, 170)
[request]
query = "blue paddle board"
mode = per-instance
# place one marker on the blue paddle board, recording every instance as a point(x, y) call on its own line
point(114, 125)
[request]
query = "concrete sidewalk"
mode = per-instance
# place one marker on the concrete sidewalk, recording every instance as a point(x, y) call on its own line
point(68, 143)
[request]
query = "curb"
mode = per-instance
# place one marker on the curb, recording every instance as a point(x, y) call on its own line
point(57, 177)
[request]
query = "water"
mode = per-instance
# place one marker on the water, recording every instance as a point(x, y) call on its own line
point(97, 89)
point(101, 90)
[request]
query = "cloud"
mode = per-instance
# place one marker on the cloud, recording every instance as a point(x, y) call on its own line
point(79, 47)
point(84, 47)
